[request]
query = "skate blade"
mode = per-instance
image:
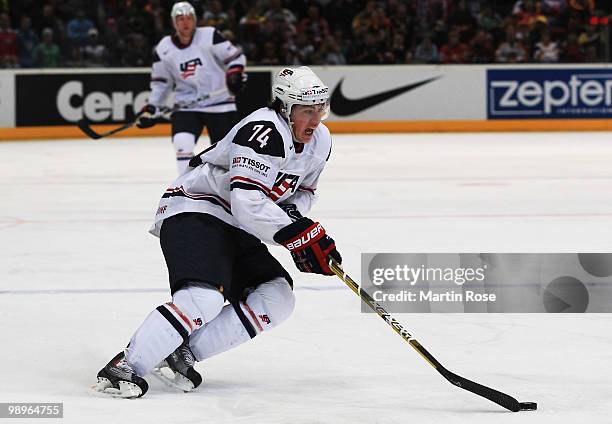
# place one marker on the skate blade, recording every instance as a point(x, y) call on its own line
point(126, 389)
point(172, 379)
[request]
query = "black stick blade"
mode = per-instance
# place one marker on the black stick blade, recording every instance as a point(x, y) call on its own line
point(493, 395)
point(84, 126)
point(528, 406)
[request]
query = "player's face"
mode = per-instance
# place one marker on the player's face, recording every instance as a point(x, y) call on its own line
point(305, 120)
point(185, 25)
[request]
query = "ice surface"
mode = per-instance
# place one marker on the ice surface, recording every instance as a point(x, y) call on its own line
point(79, 272)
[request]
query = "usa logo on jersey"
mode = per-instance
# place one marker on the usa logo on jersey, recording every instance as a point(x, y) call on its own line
point(188, 68)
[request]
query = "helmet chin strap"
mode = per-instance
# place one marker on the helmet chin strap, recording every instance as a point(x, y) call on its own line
point(287, 118)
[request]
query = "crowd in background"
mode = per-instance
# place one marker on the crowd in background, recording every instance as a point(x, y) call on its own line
point(115, 33)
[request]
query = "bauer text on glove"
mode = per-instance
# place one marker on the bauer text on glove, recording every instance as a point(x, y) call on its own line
point(310, 247)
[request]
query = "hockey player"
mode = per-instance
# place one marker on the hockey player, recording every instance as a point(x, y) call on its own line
point(254, 185)
point(196, 61)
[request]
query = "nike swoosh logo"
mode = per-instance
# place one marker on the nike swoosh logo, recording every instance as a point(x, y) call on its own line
point(341, 106)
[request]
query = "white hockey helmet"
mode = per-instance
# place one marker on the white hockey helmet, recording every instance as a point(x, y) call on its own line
point(182, 8)
point(300, 86)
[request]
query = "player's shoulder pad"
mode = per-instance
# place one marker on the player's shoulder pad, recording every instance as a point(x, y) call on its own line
point(218, 37)
point(204, 35)
point(262, 136)
point(164, 47)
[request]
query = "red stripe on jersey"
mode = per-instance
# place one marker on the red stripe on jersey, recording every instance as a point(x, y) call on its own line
point(248, 180)
point(180, 314)
point(310, 190)
point(250, 311)
point(180, 189)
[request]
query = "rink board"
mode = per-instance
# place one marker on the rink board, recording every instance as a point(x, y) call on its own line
point(364, 99)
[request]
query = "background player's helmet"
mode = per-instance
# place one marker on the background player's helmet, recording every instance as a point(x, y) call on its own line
point(300, 86)
point(182, 8)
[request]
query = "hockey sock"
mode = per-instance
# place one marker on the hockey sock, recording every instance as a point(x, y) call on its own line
point(167, 327)
point(267, 306)
point(155, 339)
point(184, 144)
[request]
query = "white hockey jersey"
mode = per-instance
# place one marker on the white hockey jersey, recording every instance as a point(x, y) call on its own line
point(194, 70)
point(242, 178)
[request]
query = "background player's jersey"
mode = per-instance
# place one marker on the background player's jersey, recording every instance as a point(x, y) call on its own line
point(194, 70)
point(242, 178)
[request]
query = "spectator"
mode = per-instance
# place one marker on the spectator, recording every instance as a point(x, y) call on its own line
point(315, 26)
point(481, 47)
point(454, 51)
point(93, 52)
point(74, 59)
point(159, 16)
point(138, 52)
point(591, 55)
point(488, 20)
point(250, 25)
point(78, 28)
point(590, 37)
point(276, 12)
point(511, 50)
point(331, 52)
point(215, 16)
point(426, 51)
point(369, 52)
point(26, 43)
point(462, 21)
point(572, 50)
point(47, 53)
point(270, 55)
point(136, 21)
point(363, 20)
point(546, 50)
point(304, 49)
point(402, 22)
point(113, 42)
point(8, 43)
point(397, 53)
point(50, 20)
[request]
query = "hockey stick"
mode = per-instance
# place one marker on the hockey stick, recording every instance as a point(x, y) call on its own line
point(85, 126)
point(499, 398)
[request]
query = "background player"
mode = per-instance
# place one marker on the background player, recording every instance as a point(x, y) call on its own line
point(252, 186)
point(194, 61)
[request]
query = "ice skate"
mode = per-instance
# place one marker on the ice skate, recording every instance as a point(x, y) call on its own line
point(177, 370)
point(118, 379)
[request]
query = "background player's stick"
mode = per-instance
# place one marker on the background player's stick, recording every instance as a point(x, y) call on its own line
point(499, 398)
point(84, 125)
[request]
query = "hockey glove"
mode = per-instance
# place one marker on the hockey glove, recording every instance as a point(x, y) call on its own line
point(310, 247)
point(291, 210)
point(150, 117)
point(235, 78)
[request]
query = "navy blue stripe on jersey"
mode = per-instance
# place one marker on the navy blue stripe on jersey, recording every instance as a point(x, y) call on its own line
point(244, 320)
point(310, 190)
point(197, 160)
point(227, 102)
point(159, 79)
point(175, 323)
point(249, 181)
point(262, 137)
point(233, 57)
point(247, 186)
point(180, 192)
point(218, 38)
point(329, 154)
point(156, 57)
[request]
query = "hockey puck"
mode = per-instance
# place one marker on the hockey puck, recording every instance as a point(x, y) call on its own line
point(528, 406)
